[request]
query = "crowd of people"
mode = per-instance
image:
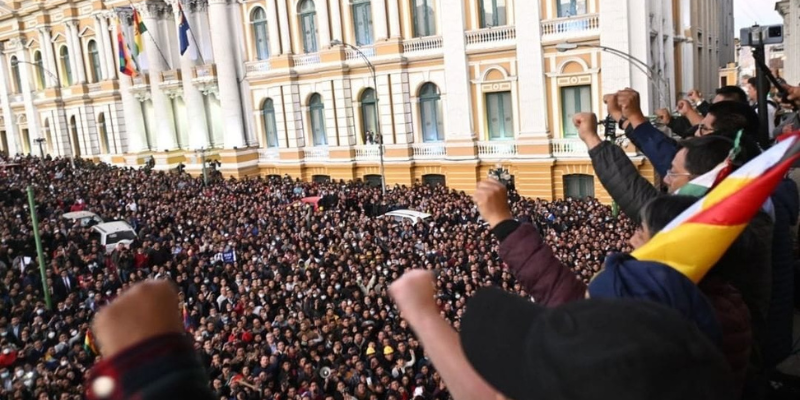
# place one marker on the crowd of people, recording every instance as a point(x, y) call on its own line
point(283, 300)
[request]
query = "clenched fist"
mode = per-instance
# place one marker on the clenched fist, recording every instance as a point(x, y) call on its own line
point(491, 197)
point(414, 294)
point(684, 107)
point(587, 128)
point(612, 105)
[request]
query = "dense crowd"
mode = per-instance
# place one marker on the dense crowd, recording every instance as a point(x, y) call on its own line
point(283, 300)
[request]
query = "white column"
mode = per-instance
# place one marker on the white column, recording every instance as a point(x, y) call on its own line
point(192, 97)
point(394, 19)
point(162, 105)
point(274, 32)
point(336, 19)
point(107, 51)
point(530, 67)
point(25, 77)
point(49, 59)
point(12, 134)
point(98, 28)
point(457, 102)
point(286, 36)
point(227, 78)
point(76, 54)
point(379, 19)
point(323, 27)
point(132, 111)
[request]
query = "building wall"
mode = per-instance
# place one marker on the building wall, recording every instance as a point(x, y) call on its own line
point(790, 10)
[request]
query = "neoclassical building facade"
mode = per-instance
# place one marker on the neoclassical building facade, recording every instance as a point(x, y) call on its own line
point(278, 87)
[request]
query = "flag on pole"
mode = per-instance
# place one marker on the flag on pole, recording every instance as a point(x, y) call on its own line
point(126, 64)
point(138, 29)
point(696, 240)
point(183, 30)
point(187, 320)
point(89, 343)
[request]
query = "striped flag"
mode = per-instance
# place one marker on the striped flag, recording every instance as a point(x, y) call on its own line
point(183, 30)
point(89, 343)
point(138, 29)
point(694, 241)
point(126, 64)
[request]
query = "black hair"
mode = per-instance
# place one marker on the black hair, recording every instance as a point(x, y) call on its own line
point(732, 116)
point(660, 211)
point(706, 152)
point(732, 93)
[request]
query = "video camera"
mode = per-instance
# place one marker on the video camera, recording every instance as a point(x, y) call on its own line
point(761, 35)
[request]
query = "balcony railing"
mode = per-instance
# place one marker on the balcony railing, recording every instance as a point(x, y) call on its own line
point(351, 54)
point(496, 149)
point(571, 27)
point(317, 153)
point(569, 148)
point(94, 87)
point(268, 154)
point(422, 44)
point(429, 150)
point(490, 35)
point(257, 66)
point(306, 59)
point(368, 152)
point(207, 71)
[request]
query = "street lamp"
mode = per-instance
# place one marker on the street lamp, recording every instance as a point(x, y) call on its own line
point(41, 149)
point(641, 65)
point(337, 42)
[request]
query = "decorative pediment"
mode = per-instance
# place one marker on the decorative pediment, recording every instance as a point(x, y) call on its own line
point(22, 119)
point(58, 37)
point(88, 31)
point(32, 43)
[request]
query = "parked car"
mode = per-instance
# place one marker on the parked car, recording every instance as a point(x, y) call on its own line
point(109, 234)
point(86, 218)
point(407, 215)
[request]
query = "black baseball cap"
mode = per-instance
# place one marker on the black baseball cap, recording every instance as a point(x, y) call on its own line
point(591, 349)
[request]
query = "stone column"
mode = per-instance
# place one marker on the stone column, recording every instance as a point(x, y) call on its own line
point(457, 102)
point(31, 112)
point(49, 58)
point(227, 78)
point(12, 134)
point(76, 54)
point(162, 107)
point(530, 67)
point(132, 111)
point(274, 32)
point(107, 52)
point(286, 36)
point(322, 24)
point(336, 20)
point(379, 19)
point(101, 48)
point(192, 97)
point(394, 19)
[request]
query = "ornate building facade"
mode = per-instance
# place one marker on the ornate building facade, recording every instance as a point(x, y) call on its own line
point(278, 87)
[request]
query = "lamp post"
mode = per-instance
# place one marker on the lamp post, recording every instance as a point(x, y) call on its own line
point(337, 42)
point(39, 141)
point(641, 65)
point(203, 160)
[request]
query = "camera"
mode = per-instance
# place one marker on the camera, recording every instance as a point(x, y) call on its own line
point(760, 35)
point(501, 175)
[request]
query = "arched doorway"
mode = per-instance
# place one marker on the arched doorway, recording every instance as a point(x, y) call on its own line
point(434, 180)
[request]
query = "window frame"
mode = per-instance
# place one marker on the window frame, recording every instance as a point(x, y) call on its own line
point(66, 68)
point(270, 124)
point(316, 116)
point(568, 131)
point(308, 15)
point(495, 14)
point(434, 98)
point(573, 9)
point(429, 18)
point(38, 61)
point(258, 24)
point(16, 77)
point(506, 134)
point(94, 60)
point(368, 109)
point(363, 9)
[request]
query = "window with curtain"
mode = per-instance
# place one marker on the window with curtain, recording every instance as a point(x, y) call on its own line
point(574, 99)
point(65, 66)
point(368, 122)
point(570, 8)
point(430, 113)
point(578, 186)
point(94, 61)
point(499, 116)
point(362, 19)
point(15, 74)
point(493, 13)
point(424, 18)
point(37, 60)
point(270, 126)
point(317, 114)
point(308, 26)
point(260, 37)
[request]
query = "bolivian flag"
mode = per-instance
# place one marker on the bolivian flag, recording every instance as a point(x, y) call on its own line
point(696, 240)
point(126, 64)
point(138, 29)
point(89, 343)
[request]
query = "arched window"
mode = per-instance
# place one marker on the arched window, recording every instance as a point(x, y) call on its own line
point(15, 74)
point(424, 18)
point(37, 60)
point(271, 128)
point(66, 68)
point(308, 26)
point(362, 18)
point(369, 122)
point(493, 13)
point(258, 18)
point(94, 61)
point(317, 110)
point(103, 130)
point(73, 129)
point(430, 112)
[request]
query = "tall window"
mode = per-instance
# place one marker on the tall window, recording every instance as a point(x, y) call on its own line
point(369, 124)
point(65, 66)
point(15, 74)
point(493, 13)
point(308, 26)
point(424, 18)
point(499, 115)
point(94, 61)
point(578, 186)
point(430, 112)
point(73, 129)
point(317, 110)
point(574, 99)
point(103, 127)
point(570, 8)
point(271, 128)
point(362, 16)
point(259, 21)
point(37, 60)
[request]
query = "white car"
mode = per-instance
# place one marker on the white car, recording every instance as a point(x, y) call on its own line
point(407, 215)
point(109, 234)
point(86, 218)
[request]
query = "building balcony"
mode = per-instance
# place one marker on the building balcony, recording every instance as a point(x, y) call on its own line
point(566, 148)
point(173, 75)
point(306, 59)
point(423, 45)
point(368, 152)
point(257, 67)
point(579, 27)
point(352, 54)
point(429, 150)
point(497, 149)
point(492, 37)
point(205, 72)
point(317, 153)
point(270, 154)
point(141, 80)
